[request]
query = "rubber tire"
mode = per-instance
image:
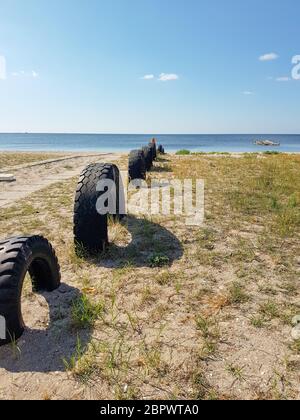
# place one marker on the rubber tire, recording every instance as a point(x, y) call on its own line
point(90, 227)
point(148, 157)
point(136, 165)
point(154, 150)
point(19, 255)
point(161, 150)
point(120, 204)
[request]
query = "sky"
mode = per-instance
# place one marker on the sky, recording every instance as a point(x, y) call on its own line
point(155, 66)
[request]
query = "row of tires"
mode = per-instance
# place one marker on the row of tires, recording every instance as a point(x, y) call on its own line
point(35, 255)
point(141, 161)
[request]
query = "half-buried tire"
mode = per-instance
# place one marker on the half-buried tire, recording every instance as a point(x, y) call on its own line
point(19, 255)
point(136, 165)
point(148, 157)
point(90, 225)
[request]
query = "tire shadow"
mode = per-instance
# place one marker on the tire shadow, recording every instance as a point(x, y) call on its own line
point(44, 351)
point(147, 240)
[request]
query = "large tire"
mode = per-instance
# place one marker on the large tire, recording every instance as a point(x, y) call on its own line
point(148, 157)
point(154, 151)
point(137, 165)
point(91, 227)
point(19, 255)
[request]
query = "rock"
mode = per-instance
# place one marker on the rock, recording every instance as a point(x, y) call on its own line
point(296, 333)
point(7, 178)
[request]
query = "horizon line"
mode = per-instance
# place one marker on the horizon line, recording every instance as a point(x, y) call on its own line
point(147, 134)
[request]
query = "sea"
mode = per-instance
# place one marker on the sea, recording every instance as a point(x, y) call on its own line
point(126, 142)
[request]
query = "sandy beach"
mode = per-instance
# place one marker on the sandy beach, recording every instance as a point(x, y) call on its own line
point(214, 322)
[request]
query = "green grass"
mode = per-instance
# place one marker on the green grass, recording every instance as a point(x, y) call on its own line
point(257, 321)
point(237, 294)
point(85, 312)
point(270, 310)
point(183, 152)
point(158, 260)
point(236, 371)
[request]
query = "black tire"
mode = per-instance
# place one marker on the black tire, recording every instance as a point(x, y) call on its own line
point(148, 157)
point(154, 151)
point(136, 165)
point(120, 192)
point(19, 255)
point(161, 149)
point(91, 227)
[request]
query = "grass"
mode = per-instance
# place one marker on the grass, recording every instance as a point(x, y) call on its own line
point(158, 260)
point(85, 312)
point(257, 321)
point(270, 310)
point(271, 152)
point(10, 159)
point(183, 152)
point(237, 294)
point(236, 371)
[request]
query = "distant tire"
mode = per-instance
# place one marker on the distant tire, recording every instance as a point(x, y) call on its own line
point(91, 227)
point(154, 150)
point(136, 165)
point(148, 157)
point(19, 255)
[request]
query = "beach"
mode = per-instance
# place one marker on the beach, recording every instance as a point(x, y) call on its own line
point(212, 321)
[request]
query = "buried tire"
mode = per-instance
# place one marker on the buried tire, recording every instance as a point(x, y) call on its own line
point(19, 255)
point(91, 227)
point(161, 150)
point(137, 165)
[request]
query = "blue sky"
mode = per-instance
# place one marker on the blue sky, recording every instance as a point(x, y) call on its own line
point(78, 66)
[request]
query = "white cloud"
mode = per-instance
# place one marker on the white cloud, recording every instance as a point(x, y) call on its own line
point(166, 77)
point(248, 92)
point(23, 73)
point(283, 79)
point(148, 77)
point(269, 57)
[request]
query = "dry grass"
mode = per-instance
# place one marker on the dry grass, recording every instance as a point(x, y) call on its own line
point(173, 311)
point(10, 159)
